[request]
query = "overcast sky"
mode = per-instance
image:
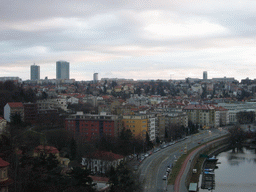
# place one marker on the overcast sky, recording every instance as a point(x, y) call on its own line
point(139, 39)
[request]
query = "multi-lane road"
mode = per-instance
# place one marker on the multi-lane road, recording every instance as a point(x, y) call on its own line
point(153, 168)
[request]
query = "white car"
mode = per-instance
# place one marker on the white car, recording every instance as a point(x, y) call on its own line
point(164, 177)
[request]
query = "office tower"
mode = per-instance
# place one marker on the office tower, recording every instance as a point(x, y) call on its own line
point(34, 72)
point(205, 75)
point(95, 77)
point(62, 70)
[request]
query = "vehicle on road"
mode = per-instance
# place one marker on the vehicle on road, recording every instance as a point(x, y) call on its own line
point(164, 177)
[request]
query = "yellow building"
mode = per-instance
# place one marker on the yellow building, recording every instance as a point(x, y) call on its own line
point(138, 124)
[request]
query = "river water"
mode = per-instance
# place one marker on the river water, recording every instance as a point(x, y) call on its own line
point(237, 171)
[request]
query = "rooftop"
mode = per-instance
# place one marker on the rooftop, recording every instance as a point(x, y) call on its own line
point(15, 104)
point(105, 155)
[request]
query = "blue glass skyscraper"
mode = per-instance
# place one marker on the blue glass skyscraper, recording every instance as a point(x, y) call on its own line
point(34, 72)
point(62, 70)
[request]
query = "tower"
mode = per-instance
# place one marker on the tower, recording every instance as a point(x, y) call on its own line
point(62, 70)
point(95, 77)
point(204, 75)
point(34, 72)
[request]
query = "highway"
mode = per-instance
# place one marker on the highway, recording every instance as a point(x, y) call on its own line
point(153, 168)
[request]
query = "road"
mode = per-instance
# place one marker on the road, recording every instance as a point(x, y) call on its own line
point(153, 168)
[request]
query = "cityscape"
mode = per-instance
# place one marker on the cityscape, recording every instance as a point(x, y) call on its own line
point(127, 96)
point(99, 124)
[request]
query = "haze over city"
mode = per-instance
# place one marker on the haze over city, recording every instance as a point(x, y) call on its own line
point(131, 39)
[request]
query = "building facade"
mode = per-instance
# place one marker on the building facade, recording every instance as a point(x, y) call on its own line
point(13, 108)
point(205, 75)
point(62, 70)
point(203, 115)
point(93, 127)
point(101, 161)
point(30, 113)
point(138, 124)
point(34, 72)
point(95, 77)
point(3, 124)
point(5, 181)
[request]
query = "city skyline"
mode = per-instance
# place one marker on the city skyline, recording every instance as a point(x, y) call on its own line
point(132, 40)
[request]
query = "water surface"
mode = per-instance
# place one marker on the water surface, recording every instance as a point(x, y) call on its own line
point(237, 171)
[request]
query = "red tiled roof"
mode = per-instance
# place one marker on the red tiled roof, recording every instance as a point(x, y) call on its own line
point(105, 155)
point(15, 104)
point(46, 149)
point(100, 179)
point(198, 107)
point(220, 108)
point(3, 163)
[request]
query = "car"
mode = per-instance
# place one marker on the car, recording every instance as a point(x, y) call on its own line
point(146, 155)
point(164, 177)
point(168, 170)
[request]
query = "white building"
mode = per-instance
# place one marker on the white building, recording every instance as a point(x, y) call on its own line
point(101, 161)
point(152, 127)
point(234, 108)
point(12, 109)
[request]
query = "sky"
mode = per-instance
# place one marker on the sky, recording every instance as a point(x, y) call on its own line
point(132, 39)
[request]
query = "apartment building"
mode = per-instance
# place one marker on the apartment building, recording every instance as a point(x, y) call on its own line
point(234, 108)
point(138, 124)
point(93, 127)
point(203, 115)
point(177, 118)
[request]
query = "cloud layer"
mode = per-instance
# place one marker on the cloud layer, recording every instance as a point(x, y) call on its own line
point(136, 39)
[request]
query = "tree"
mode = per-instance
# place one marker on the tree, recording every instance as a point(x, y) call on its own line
point(58, 138)
point(122, 179)
point(149, 143)
point(80, 178)
point(157, 140)
point(245, 117)
point(73, 147)
point(16, 119)
point(237, 136)
point(125, 142)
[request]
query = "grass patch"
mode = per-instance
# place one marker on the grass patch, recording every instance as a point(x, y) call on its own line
point(195, 176)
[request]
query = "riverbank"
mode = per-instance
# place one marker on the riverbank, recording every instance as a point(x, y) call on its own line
point(187, 163)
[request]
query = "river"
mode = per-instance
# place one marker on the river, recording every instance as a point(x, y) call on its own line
point(237, 171)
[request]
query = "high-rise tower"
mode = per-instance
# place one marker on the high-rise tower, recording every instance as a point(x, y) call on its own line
point(95, 77)
point(204, 75)
point(62, 70)
point(34, 72)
